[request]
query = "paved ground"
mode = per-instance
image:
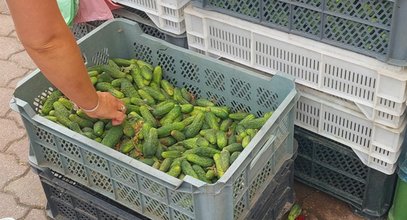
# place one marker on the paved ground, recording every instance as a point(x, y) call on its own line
point(21, 195)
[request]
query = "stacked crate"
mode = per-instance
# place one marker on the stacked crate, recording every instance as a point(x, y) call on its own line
point(147, 25)
point(348, 59)
point(168, 15)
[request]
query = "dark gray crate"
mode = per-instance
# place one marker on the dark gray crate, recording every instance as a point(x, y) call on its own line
point(335, 169)
point(68, 199)
point(371, 27)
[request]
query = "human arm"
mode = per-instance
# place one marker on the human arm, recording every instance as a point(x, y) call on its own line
point(50, 44)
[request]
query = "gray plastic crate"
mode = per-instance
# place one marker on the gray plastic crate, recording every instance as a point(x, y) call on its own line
point(139, 186)
point(371, 27)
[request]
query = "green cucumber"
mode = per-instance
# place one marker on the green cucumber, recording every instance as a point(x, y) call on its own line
point(151, 143)
point(113, 136)
point(201, 161)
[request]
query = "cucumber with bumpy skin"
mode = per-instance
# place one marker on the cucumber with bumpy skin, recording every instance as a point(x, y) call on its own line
point(225, 159)
point(127, 146)
point(162, 109)
point(165, 130)
point(147, 97)
point(81, 121)
point(98, 128)
point(221, 139)
point(204, 102)
point(167, 87)
point(68, 104)
point(151, 143)
point(221, 112)
point(122, 62)
point(165, 165)
point(187, 108)
point(210, 174)
point(187, 169)
point(168, 141)
point(178, 135)
point(48, 104)
point(203, 151)
point(171, 154)
point(148, 117)
point(238, 116)
point(171, 116)
point(211, 120)
point(233, 147)
point(193, 129)
point(113, 72)
point(218, 163)
point(157, 95)
point(113, 136)
point(234, 156)
point(201, 161)
point(175, 171)
point(226, 124)
point(200, 172)
point(157, 75)
point(128, 89)
point(137, 78)
point(60, 109)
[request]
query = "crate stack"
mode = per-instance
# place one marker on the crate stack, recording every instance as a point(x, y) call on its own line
point(84, 179)
point(147, 25)
point(348, 59)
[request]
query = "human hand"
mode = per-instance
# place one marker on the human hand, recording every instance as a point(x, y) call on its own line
point(109, 108)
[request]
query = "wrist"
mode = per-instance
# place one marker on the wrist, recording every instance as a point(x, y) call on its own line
point(93, 109)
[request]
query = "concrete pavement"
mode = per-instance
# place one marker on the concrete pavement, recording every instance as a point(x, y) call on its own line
point(21, 194)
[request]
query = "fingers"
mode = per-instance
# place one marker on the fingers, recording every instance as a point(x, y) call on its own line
point(118, 119)
point(120, 115)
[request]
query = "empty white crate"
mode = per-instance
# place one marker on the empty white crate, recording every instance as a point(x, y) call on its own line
point(378, 89)
point(376, 145)
point(168, 15)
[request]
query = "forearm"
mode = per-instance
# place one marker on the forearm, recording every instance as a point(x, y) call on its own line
point(60, 61)
point(52, 47)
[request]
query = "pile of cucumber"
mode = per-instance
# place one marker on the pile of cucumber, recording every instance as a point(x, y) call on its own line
point(166, 127)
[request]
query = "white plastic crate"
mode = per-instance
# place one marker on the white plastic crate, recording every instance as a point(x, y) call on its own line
point(377, 146)
point(378, 89)
point(166, 14)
